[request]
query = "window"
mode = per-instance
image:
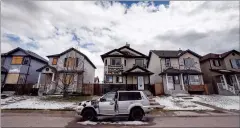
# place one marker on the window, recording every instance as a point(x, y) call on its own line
point(125, 96)
point(125, 62)
point(106, 62)
point(54, 61)
point(194, 80)
point(109, 96)
point(185, 80)
point(188, 62)
point(68, 78)
point(17, 59)
point(119, 79)
point(69, 62)
point(139, 62)
point(12, 78)
point(167, 62)
point(109, 79)
point(116, 61)
point(26, 61)
point(235, 63)
point(216, 63)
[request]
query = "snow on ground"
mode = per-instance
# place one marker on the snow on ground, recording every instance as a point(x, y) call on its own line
point(36, 103)
point(114, 123)
point(12, 99)
point(177, 103)
point(225, 102)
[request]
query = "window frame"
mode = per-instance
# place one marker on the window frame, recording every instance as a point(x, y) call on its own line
point(130, 95)
point(139, 65)
point(169, 62)
point(111, 59)
point(216, 62)
point(191, 82)
point(107, 79)
point(235, 61)
point(117, 79)
point(15, 60)
point(55, 58)
point(185, 60)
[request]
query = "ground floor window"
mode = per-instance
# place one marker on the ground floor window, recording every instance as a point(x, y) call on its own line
point(191, 80)
point(119, 79)
point(109, 79)
point(12, 78)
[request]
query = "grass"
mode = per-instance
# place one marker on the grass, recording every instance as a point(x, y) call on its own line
point(67, 99)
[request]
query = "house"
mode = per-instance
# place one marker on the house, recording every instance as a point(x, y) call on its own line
point(126, 68)
point(222, 72)
point(177, 71)
point(68, 70)
point(19, 67)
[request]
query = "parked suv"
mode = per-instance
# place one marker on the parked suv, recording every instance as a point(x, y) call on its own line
point(133, 104)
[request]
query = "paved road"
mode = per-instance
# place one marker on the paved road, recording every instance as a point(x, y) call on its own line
point(69, 120)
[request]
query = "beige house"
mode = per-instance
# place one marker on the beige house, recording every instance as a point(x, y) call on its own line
point(222, 72)
point(176, 70)
point(70, 68)
point(125, 68)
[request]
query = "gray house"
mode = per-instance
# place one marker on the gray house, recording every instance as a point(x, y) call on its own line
point(19, 67)
point(222, 72)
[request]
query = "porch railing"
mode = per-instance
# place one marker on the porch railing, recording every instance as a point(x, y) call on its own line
point(223, 86)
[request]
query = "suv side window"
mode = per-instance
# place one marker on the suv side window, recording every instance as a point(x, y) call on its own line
point(125, 96)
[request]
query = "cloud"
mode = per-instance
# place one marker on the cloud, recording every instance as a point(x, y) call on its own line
point(49, 27)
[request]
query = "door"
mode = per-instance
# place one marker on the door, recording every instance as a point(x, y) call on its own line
point(125, 99)
point(140, 83)
point(176, 82)
point(170, 83)
point(107, 105)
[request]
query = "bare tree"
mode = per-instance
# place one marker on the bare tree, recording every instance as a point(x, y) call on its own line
point(70, 68)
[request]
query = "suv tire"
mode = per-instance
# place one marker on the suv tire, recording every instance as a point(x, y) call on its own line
point(136, 114)
point(88, 114)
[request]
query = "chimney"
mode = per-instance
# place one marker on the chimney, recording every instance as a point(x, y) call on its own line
point(128, 45)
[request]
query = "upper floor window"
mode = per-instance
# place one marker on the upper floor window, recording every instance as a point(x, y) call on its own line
point(115, 61)
point(17, 59)
point(139, 62)
point(188, 62)
point(71, 62)
point(54, 62)
point(106, 62)
point(216, 63)
point(167, 62)
point(235, 63)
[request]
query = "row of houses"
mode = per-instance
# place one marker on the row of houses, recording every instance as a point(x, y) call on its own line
point(169, 72)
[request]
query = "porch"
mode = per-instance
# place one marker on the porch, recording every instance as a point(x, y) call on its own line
point(183, 81)
point(228, 83)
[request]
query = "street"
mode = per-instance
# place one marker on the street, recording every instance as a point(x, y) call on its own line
point(68, 119)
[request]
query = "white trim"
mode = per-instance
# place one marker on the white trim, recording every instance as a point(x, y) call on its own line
point(167, 81)
point(237, 81)
point(182, 83)
point(53, 76)
point(39, 77)
point(225, 82)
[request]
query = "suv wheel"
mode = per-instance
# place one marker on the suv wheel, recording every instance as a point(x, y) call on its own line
point(136, 114)
point(88, 114)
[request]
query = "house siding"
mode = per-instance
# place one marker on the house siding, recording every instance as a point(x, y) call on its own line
point(154, 67)
point(188, 55)
point(228, 64)
point(32, 78)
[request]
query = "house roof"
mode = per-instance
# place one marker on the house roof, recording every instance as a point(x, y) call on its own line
point(3, 70)
point(146, 72)
point(218, 56)
point(70, 49)
point(173, 53)
point(30, 53)
point(124, 54)
point(178, 71)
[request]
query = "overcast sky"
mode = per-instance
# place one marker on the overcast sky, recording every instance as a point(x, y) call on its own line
point(50, 27)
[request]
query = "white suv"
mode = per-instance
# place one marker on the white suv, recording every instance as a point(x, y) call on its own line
point(133, 104)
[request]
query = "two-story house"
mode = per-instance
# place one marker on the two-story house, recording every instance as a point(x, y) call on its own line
point(125, 68)
point(177, 71)
point(68, 71)
point(222, 72)
point(19, 68)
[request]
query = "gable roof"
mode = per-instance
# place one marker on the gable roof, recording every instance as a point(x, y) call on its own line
point(173, 53)
point(124, 54)
point(27, 52)
point(146, 72)
point(40, 69)
point(70, 49)
point(217, 56)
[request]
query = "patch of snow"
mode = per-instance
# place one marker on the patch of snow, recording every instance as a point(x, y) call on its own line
point(114, 123)
point(225, 102)
point(87, 123)
point(177, 103)
point(36, 103)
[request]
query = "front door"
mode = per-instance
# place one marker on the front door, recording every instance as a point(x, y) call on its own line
point(140, 83)
point(107, 106)
point(176, 82)
point(170, 82)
